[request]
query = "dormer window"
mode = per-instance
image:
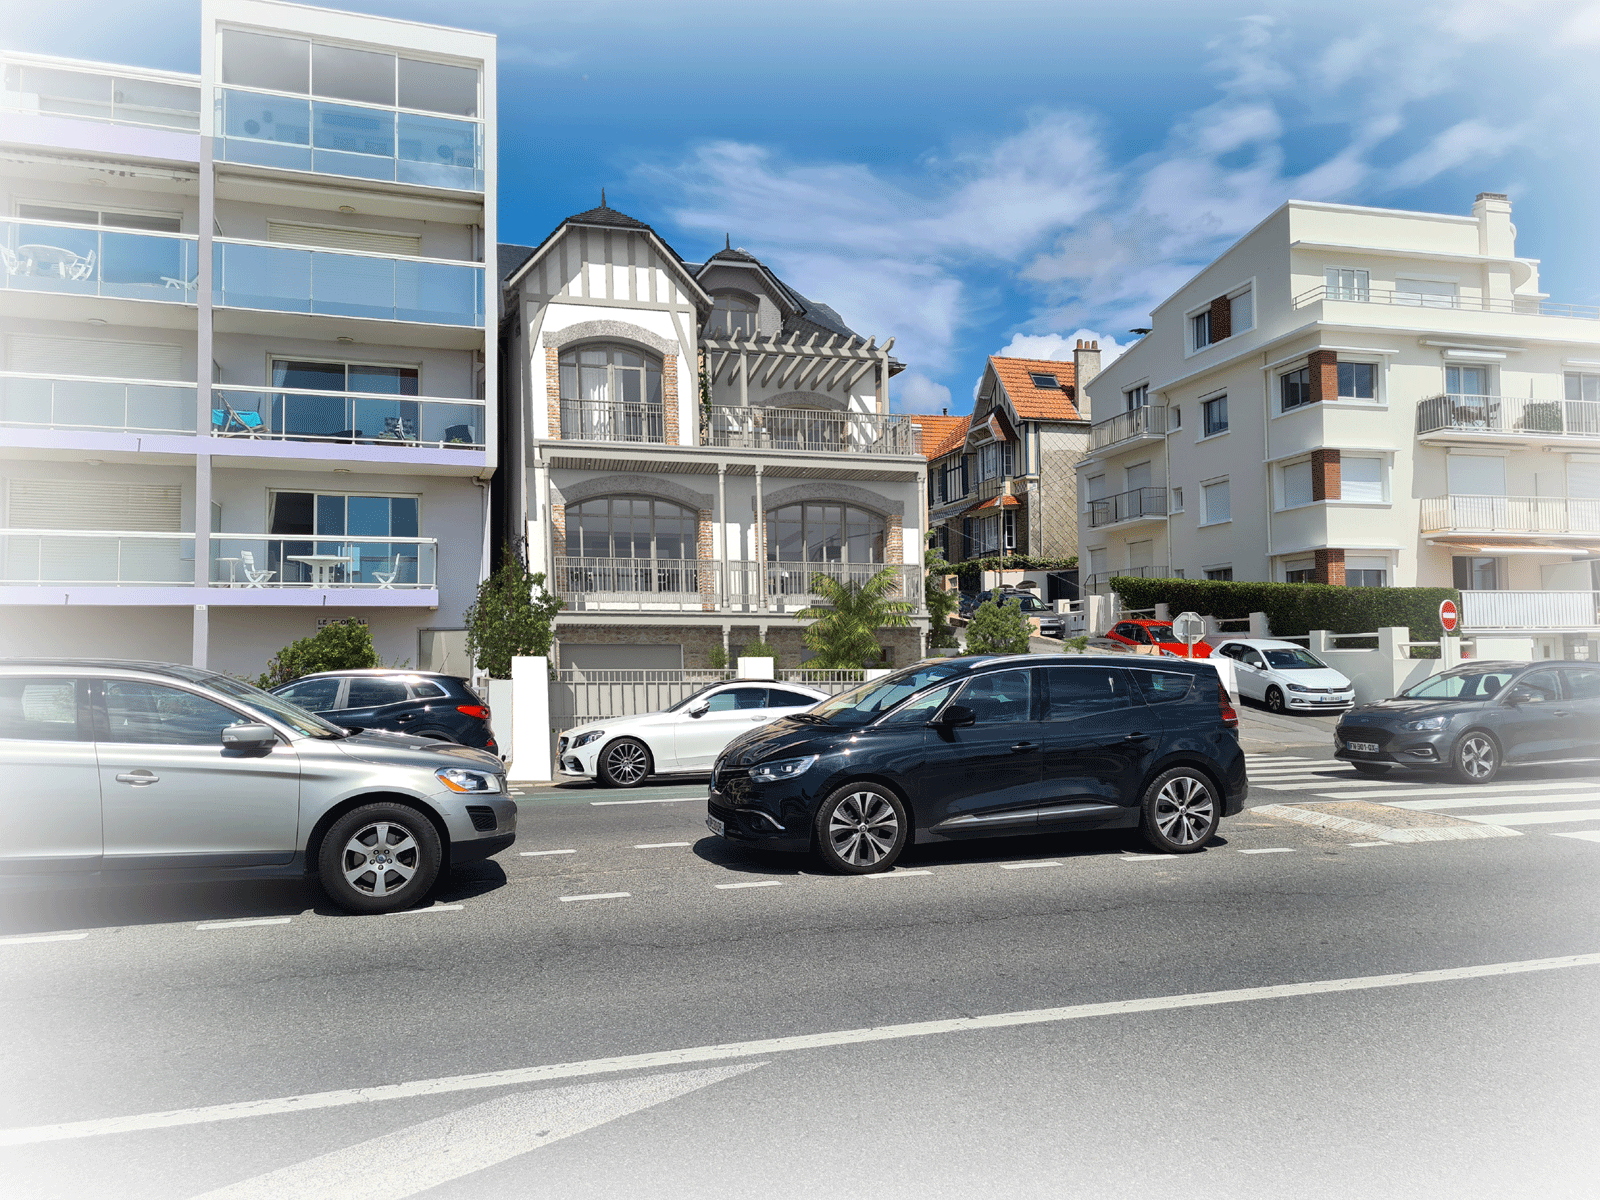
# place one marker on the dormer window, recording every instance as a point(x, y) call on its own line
point(733, 314)
point(1044, 381)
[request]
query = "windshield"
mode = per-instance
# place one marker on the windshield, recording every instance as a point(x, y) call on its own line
point(1161, 633)
point(296, 718)
point(1293, 660)
point(691, 698)
point(1467, 683)
point(865, 702)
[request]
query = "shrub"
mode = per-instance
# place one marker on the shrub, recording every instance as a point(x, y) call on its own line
point(759, 649)
point(972, 570)
point(717, 658)
point(1294, 609)
point(338, 646)
point(941, 604)
point(843, 633)
point(512, 617)
point(998, 628)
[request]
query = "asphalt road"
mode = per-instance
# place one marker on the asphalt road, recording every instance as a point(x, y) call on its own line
point(962, 1024)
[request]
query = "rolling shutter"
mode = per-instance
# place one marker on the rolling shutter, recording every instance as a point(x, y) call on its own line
point(1476, 475)
point(1297, 484)
point(1583, 479)
point(93, 504)
point(1361, 479)
point(334, 238)
point(91, 356)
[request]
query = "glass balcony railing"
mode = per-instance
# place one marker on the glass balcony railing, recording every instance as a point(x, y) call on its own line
point(338, 138)
point(345, 284)
point(379, 563)
point(34, 401)
point(79, 557)
point(92, 260)
point(354, 418)
point(88, 94)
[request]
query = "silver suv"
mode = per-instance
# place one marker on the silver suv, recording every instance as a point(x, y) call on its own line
point(150, 771)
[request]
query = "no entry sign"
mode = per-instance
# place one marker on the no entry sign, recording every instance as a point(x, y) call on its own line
point(1448, 615)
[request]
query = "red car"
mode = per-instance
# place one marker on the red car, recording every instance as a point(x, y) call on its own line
point(1156, 633)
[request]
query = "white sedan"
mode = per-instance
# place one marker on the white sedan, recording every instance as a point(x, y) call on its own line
point(1286, 677)
point(682, 740)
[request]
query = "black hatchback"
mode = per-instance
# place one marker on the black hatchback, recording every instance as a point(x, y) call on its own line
point(983, 747)
point(441, 708)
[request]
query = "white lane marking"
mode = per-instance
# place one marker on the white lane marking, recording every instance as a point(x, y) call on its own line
point(1317, 785)
point(598, 896)
point(516, 1076)
point(659, 845)
point(1493, 799)
point(543, 853)
point(1447, 833)
point(1026, 866)
point(728, 887)
point(896, 874)
point(1144, 857)
point(1419, 791)
point(242, 924)
point(473, 1139)
point(1535, 818)
point(1270, 850)
point(1374, 843)
point(1587, 835)
point(432, 908)
point(29, 938)
point(653, 800)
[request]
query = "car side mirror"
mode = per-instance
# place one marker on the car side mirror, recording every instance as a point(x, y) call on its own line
point(700, 710)
point(1521, 695)
point(955, 716)
point(249, 735)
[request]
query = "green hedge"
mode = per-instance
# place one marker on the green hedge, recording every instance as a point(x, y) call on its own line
point(1294, 609)
point(971, 571)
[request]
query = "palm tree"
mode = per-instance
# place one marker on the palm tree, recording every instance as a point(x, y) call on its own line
point(844, 631)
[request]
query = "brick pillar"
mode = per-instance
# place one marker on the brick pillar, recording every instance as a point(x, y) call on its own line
point(558, 538)
point(669, 397)
point(552, 374)
point(1330, 567)
point(1324, 371)
point(1221, 319)
point(706, 555)
point(894, 543)
point(1326, 483)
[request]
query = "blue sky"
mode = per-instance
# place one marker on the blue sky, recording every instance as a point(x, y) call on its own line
point(981, 177)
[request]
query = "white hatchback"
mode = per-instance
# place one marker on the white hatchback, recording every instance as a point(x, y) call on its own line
point(1286, 677)
point(682, 740)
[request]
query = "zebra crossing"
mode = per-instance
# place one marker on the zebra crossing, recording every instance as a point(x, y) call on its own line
point(1514, 804)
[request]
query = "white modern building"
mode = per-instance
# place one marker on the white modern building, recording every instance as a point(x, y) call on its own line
point(246, 335)
point(1365, 397)
point(691, 445)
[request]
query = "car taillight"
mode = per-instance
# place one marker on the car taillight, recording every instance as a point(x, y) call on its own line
point(1229, 717)
point(474, 710)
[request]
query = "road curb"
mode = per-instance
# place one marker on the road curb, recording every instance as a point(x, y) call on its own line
point(1387, 833)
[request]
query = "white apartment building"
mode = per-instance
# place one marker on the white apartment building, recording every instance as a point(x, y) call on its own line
point(692, 445)
point(246, 325)
point(1365, 397)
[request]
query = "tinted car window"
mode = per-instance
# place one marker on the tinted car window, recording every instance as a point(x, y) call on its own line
point(998, 699)
point(1293, 660)
point(152, 715)
point(1471, 683)
point(371, 693)
point(861, 704)
point(920, 710)
point(1584, 683)
point(1161, 687)
point(313, 695)
point(778, 698)
point(425, 689)
point(1073, 692)
point(738, 698)
point(1543, 684)
point(39, 710)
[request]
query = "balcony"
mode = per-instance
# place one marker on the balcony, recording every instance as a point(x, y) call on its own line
point(1532, 611)
point(340, 283)
point(94, 260)
point(1509, 416)
point(152, 100)
point(90, 404)
point(255, 561)
point(612, 421)
point(95, 559)
point(295, 133)
point(1135, 505)
point(1532, 306)
point(1100, 582)
point(1537, 517)
point(811, 429)
point(642, 584)
point(1148, 421)
point(346, 418)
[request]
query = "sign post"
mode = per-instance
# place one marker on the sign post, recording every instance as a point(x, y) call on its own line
point(1188, 628)
point(1448, 615)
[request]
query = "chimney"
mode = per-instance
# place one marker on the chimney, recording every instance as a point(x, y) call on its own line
point(1086, 365)
point(1497, 236)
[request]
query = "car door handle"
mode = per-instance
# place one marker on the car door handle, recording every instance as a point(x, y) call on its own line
point(406, 717)
point(1137, 737)
point(141, 776)
point(1560, 712)
point(1021, 746)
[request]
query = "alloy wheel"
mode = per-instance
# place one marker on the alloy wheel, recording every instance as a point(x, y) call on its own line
point(1184, 810)
point(863, 829)
point(1477, 756)
point(380, 859)
point(627, 763)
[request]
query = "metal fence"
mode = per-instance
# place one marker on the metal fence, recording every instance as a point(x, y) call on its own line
point(1508, 415)
point(578, 697)
point(1126, 506)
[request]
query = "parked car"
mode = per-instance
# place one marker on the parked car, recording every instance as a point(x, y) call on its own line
point(1286, 677)
point(1475, 718)
point(1158, 634)
point(683, 739)
point(146, 772)
point(984, 747)
point(1051, 623)
point(424, 704)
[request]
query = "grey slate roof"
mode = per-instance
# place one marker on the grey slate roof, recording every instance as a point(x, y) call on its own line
point(509, 256)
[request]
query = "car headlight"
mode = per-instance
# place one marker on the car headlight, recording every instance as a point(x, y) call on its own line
point(781, 768)
point(1426, 723)
point(583, 739)
point(458, 780)
point(1298, 687)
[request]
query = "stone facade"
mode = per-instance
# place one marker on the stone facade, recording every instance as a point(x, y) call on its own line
point(552, 372)
point(1330, 567)
point(705, 551)
point(1323, 367)
point(1326, 481)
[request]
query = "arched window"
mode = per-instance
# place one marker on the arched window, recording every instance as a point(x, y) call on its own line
point(611, 394)
point(824, 533)
point(631, 527)
point(732, 313)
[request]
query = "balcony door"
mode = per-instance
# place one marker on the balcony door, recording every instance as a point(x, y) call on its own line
point(833, 539)
point(611, 394)
point(631, 544)
point(342, 539)
point(347, 402)
point(1477, 485)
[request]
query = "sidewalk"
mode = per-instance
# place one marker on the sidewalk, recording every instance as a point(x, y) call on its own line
point(1261, 732)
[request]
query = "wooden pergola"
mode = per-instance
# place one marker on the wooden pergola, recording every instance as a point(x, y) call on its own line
point(837, 363)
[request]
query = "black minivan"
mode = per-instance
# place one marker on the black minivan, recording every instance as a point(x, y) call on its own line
point(983, 747)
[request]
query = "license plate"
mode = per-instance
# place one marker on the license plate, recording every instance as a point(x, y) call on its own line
point(1363, 747)
point(714, 825)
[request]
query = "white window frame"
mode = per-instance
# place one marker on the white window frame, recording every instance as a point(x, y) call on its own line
point(1281, 499)
point(1142, 391)
point(1247, 290)
point(1384, 464)
point(1205, 507)
point(1227, 566)
point(1175, 504)
point(1238, 289)
point(1378, 399)
point(1202, 435)
point(1360, 291)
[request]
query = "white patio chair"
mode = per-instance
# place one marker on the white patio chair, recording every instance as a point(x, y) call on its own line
point(252, 577)
point(386, 578)
point(81, 269)
point(12, 263)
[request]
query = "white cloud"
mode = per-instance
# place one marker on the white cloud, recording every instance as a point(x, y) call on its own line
point(1058, 348)
point(919, 394)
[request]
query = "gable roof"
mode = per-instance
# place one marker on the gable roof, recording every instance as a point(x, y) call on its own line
point(955, 436)
point(937, 430)
point(509, 256)
point(1034, 403)
point(606, 217)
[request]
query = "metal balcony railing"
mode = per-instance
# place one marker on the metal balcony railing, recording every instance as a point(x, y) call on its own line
point(352, 418)
point(1530, 610)
point(82, 402)
point(341, 283)
point(612, 421)
point(1510, 515)
point(1151, 419)
point(96, 559)
point(1509, 415)
point(256, 560)
point(1100, 582)
point(97, 260)
point(653, 583)
point(1128, 506)
point(1511, 305)
point(811, 429)
point(85, 92)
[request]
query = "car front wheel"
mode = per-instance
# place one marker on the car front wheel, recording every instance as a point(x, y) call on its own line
point(1180, 811)
point(1476, 758)
point(861, 829)
point(379, 858)
point(625, 763)
point(1274, 700)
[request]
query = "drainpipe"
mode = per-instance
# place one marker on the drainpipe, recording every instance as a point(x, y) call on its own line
point(760, 549)
point(1266, 456)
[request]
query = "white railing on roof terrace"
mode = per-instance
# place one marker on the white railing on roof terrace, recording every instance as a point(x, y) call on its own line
point(1532, 306)
point(97, 260)
point(93, 92)
point(1510, 514)
point(1509, 415)
point(29, 400)
point(813, 429)
point(1530, 610)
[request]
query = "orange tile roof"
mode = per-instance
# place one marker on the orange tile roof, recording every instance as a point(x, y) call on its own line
point(940, 435)
point(1036, 403)
point(993, 502)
